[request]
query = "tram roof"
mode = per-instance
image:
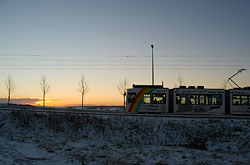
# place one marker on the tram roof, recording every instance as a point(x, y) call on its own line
point(244, 88)
point(147, 86)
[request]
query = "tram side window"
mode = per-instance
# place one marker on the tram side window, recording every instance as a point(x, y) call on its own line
point(241, 100)
point(189, 99)
point(236, 100)
point(216, 99)
point(131, 97)
point(185, 99)
point(159, 98)
point(192, 99)
point(220, 100)
point(146, 99)
point(244, 100)
point(180, 99)
point(199, 99)
point(202, 99)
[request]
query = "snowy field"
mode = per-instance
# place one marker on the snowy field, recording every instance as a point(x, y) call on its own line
point(41, 138)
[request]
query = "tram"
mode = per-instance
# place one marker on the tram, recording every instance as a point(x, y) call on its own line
point(147, 99)
point(240, 101)
point(198, 100)
point(188, 100)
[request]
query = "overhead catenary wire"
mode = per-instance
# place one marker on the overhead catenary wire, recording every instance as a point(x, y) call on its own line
point(115, 68)
point(135, 62)
point(203, 55)
point(122, 64)
point(115, 60)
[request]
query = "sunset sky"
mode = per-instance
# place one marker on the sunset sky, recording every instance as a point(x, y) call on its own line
point(203, 41)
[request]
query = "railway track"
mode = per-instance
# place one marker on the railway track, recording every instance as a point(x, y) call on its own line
point(119, 113)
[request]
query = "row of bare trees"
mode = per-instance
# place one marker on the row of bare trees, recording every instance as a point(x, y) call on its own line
point(83, 87)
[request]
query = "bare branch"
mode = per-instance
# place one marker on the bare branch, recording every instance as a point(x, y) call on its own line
point(123, 86)
point(10, 84)
point(180, 80)
point(83, 86)
point(45, 86)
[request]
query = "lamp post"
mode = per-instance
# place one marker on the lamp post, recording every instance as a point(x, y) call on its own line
point(152, 46)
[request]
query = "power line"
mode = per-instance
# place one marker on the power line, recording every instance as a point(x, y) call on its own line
point(133, 60)
point(112, 68)
point(136, 62)
point(202, 55)
point(74, 65)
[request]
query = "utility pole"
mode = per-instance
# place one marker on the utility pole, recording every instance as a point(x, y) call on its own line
point(152, 46)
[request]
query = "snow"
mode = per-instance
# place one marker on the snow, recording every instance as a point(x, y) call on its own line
point(68, 138)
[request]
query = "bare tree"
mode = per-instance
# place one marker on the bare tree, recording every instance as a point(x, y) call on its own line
point(10, 87)
point(180, 81)
point(122, 88)
point(45, 87)
point(83, 87)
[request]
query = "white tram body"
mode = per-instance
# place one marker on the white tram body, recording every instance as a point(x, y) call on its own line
point(147, 99)
point(240, 101)
point(198, 100)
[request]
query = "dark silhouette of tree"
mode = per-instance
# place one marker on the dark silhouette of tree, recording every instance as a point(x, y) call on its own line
point(83, 88)
point(45, 87)
point(10, 86)
point(122, 88)
point(180, 81)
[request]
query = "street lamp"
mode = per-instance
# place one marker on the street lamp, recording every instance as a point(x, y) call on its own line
point(152, 46)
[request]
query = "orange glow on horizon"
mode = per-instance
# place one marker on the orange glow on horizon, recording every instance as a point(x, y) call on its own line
point(48, 102)
point(71, 101)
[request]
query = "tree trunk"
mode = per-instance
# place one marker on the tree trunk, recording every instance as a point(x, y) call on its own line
point(82, 100)
point(124, 95)
point(9, 99)
point(43, 100)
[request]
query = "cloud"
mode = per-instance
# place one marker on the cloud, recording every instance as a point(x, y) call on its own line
point(31, 100)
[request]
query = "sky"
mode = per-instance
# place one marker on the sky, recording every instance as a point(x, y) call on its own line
point(203, 42)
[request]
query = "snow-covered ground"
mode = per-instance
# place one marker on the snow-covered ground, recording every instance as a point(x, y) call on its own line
point(41, 138)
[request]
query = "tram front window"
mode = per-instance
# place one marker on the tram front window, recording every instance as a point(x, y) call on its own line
point(131, 97)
